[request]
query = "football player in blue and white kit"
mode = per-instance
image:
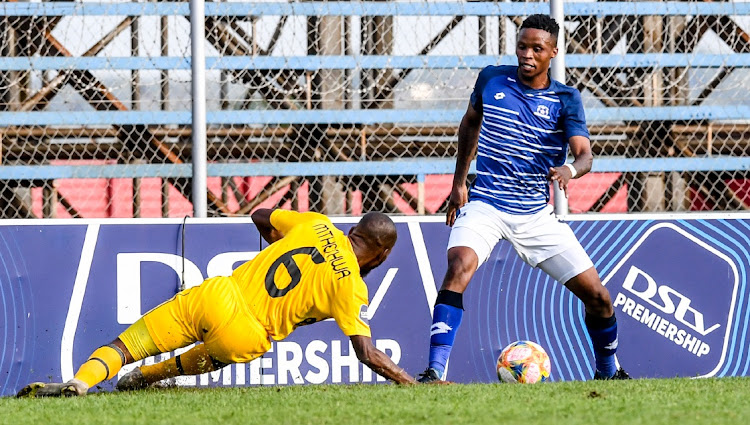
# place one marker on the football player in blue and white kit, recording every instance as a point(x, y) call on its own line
point(520, 124)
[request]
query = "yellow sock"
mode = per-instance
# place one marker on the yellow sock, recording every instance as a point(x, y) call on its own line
point(192, 362)
point(196, 361)
point(161, 370)
point(103, 364)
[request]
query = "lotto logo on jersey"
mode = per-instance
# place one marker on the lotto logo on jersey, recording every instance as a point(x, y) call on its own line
point(674, 310)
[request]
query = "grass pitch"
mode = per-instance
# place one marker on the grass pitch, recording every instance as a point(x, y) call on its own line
point(648, 401)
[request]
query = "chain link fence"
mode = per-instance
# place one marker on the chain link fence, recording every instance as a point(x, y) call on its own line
point(345, 107)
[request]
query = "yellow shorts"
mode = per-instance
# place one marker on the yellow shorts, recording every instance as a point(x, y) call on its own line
point(213, 312)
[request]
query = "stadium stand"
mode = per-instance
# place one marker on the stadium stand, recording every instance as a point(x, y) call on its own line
point(343, 107)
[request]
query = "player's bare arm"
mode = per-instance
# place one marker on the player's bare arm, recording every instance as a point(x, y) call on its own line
point(262, 220)
point(378, 361)
point(580, 147)
point(468, 136)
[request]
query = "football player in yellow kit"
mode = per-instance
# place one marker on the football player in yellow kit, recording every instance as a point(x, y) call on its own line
point(311, 271)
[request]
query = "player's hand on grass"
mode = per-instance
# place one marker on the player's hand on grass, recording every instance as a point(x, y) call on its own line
point(458, 197)
point(562, 176)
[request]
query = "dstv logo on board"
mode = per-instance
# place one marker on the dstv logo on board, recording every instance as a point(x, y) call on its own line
point(674, 296)
point(664, 299)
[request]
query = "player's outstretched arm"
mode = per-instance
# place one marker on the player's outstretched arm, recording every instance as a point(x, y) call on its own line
point(262, 220)
point(378, 361)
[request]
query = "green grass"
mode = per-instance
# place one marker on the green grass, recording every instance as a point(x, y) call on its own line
point(650, 401)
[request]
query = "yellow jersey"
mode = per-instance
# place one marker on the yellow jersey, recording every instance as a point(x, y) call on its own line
point(310, 274)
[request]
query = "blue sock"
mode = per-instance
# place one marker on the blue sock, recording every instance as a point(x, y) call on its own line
point(445, 322)
point(603, 333)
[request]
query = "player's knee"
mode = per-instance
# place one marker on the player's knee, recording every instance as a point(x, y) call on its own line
point(462, 264)
point(122, 348)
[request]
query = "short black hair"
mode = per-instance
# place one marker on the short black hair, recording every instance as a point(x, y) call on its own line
point(377, 228)
point(542, 22)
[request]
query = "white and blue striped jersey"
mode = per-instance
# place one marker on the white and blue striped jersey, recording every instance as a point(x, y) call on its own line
point(524, 132)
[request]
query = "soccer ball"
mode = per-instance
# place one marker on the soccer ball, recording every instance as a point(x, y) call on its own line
point(523, 362)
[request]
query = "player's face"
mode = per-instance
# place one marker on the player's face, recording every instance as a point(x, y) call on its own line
point(535, 49)
point(365, 269)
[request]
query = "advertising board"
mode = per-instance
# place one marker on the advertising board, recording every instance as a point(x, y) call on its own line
point(679, 287)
